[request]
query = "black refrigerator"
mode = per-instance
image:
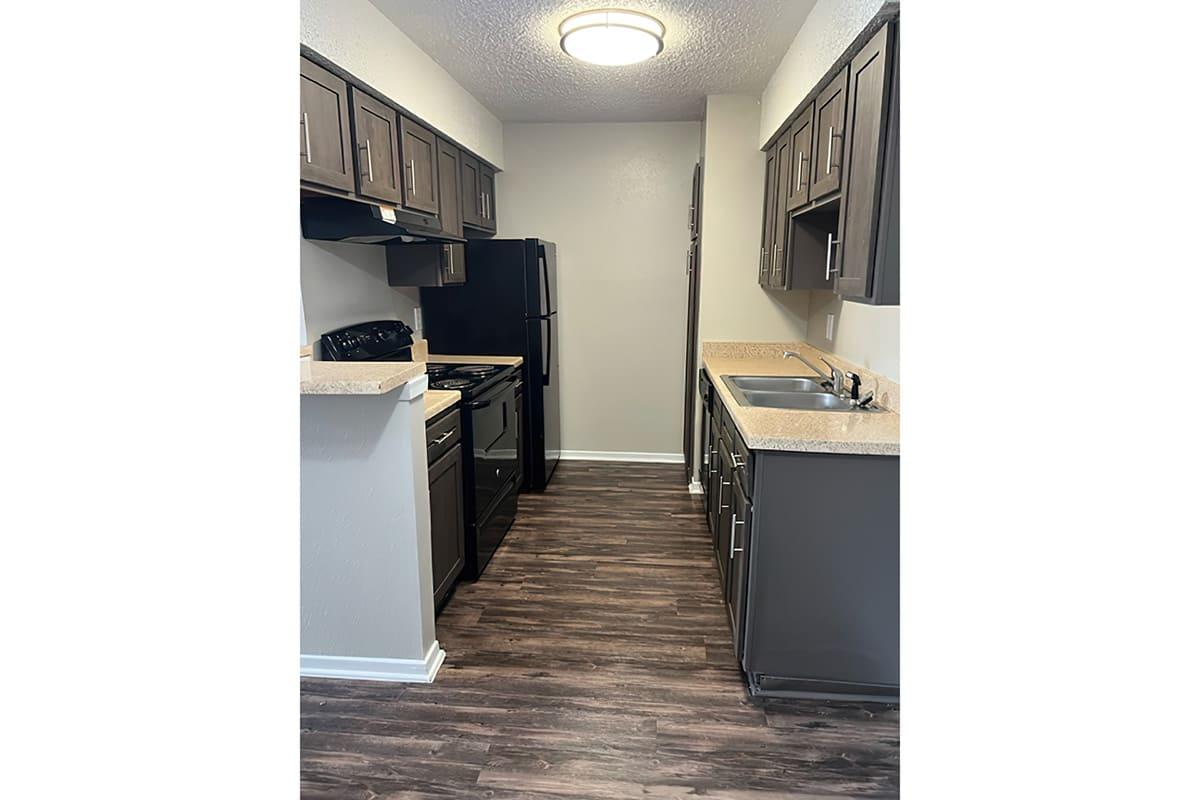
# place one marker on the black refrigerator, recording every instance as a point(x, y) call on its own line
point(508, 306)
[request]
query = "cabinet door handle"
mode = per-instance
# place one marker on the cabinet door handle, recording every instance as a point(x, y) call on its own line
point(800, 174)
point(412, 169)
point(370, 170)
point(732, 529)
point(721, 493)
point(830, 270)
point(737, 462)
point(444, 436)
point(487, 206)
point(829, 154)
point(307, 144)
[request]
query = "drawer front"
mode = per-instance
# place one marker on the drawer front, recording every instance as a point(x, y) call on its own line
point(442, 433)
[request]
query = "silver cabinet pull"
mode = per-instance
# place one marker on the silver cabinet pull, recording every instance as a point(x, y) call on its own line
point(412, 168)
point(370, 170)
point(721, 493)
point(830, 270)
point(829, 154)
point(800, 174)
point(487, 206)
point(444, 436)
point(732, 529)
point(307, 144)
point(482, 205)
point(737, 462)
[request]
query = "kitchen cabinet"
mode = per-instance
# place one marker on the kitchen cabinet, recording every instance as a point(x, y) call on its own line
point(325, 152)
point(808, 548)
point(472, 194)
point(868, 253)
point(778, 279)
point(426, 264)
point(800, 169)
point(829, 112)
point(487, 188)
point(767, 251)
point(376, 141)
point(419, 150)
point(694, 208)
point(449, 188)
point(447, 522)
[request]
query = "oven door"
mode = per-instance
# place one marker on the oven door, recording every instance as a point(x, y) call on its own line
point(494, 420)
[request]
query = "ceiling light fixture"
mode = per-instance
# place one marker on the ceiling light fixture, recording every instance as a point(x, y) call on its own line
point(611, 37)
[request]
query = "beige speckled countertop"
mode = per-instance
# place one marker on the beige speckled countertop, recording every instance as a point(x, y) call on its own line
point(368, 377)
point(505, 361)
point(438, 400)
point(864, 433)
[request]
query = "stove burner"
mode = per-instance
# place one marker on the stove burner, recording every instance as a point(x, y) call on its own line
point(436, 369)
point(452, 383)
point(477, 369)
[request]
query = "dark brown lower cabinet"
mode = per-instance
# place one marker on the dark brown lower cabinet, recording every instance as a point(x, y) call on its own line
point(808, 546)
point(447, 524)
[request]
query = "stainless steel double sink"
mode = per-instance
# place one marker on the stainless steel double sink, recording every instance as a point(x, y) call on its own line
point(804, 394)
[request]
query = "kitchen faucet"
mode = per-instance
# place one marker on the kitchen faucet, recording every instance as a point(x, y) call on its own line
point(835, 379)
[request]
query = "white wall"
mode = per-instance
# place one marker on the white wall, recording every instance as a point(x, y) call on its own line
point(343, 283)
point(614, 198)
point(864, 335)
point(356, 36)
point(829, 29)
point(732, 304)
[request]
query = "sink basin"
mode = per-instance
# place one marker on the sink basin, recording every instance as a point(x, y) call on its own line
point(801, 394)
point(776, 384)
point(805, 401)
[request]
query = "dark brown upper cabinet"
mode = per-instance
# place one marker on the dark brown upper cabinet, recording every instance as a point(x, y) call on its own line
point(829, 111)
point(472, 195)
point(426, 264)
point(418, 149)
point(449, 188)
point(868, 233)
point(768, 221)
point(778, 278)
point(376, 140)
point(325, 153)
point(800, 172)
point(487, 188)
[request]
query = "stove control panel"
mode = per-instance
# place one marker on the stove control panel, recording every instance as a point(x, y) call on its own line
point(384, 340)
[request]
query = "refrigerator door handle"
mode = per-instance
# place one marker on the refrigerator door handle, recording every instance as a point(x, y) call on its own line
point(549, 344)
point(545, 277)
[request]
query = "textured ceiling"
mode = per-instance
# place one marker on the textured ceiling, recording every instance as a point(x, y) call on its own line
point(506, 54)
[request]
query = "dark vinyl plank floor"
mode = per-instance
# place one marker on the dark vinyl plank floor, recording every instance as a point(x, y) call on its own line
point(593, 660)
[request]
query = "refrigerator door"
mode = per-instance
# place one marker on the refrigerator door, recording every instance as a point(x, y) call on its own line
point(542, 372)
point(541, 278)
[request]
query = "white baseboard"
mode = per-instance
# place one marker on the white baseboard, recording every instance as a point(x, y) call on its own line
point(695, 488)
point(402, 670)
point(608, 455)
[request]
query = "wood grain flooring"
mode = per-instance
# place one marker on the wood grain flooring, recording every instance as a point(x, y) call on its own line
point(593, 660)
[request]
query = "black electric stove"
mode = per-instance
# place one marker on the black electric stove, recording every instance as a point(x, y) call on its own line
point(490, 416)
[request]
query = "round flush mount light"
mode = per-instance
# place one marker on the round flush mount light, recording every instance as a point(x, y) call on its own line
point(611, 37)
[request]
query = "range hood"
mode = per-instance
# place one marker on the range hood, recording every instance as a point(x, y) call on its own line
point(335, 219)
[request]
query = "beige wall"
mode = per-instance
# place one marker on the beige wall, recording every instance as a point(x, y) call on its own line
point(614, 198)
point(732, 304)
point(356, 36)
point(342, 283)
point(864, 335)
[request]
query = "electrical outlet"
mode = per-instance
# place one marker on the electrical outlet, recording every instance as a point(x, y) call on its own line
point(829, 327)
point(417, 326)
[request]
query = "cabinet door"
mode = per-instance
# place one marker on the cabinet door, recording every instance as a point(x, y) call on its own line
point(325, 152)
point(783, 160)
point(870, 88)
point(487, 188)
point(454, 267)
point(419, 150)
point(376, 140)
point(800, 172)
point(739, 542)
point(472, 199)
point(714, 467)
point(449, 189)
point(724, 510)
point(768, 225)
point(829, 111)
point(446, 521)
